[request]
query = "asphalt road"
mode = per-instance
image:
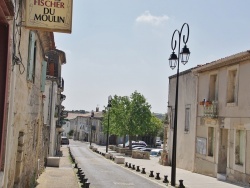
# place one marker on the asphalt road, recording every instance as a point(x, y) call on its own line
point(103, 173)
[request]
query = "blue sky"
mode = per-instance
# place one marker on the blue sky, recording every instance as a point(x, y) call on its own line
point(119, 46)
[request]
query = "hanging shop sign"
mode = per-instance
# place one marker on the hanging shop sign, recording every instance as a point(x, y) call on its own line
point(49, 15)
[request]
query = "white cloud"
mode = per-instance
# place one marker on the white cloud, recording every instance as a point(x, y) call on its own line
point(147, 17)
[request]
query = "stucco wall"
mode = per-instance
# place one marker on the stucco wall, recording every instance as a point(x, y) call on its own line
point(204, 167)
point(231, 117)
point(187, 96)
point(25, 115)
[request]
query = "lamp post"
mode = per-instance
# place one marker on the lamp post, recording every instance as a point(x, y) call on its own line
point(91, 116)
point(109, 106)
point(173, 60)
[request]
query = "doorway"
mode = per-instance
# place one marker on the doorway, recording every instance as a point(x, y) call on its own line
point(222, 152)
point(4, 35)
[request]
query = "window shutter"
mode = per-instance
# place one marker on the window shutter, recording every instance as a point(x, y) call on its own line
point(43, 75)
point(31, 55)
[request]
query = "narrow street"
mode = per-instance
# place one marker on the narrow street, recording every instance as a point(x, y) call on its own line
point(103, 173)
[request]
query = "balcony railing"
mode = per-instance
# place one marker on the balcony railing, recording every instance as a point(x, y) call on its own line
point(211, 110)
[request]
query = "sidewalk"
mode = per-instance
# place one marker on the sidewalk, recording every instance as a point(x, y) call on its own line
point(65, 177)
point(62, 177)
point(191, 180)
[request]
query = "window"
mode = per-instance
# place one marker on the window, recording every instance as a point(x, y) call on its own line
point(31, 66)
point(239, 147)
point(43, 75)
point(213, 93)
point(232, 86)
point(187, 118)
point(172, 118)
point(210, 141)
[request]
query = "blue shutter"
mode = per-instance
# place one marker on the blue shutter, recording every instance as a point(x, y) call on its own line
point(43, 75)
point(31, 55)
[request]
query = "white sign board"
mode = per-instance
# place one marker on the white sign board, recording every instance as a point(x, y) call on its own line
point(49, 15)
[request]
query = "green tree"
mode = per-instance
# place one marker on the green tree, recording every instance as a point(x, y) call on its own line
point(128, 116)
point(165, 121)
point(139, 116)
point(156, 126)
point(118, 116)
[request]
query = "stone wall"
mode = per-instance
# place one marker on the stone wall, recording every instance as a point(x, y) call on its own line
point(25, 147)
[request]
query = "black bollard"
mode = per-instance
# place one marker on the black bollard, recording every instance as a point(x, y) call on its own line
point(181, 184)
point(79, 171)
point(133, 168)
point(143, 171)
point(151, 174)
point(126, 164)
point(75, 165)
point(157, 176)
point(165, 180)
point(84, 181)
point(138, 169)
point(87, 185)
point(82, 178)
point(129, 165)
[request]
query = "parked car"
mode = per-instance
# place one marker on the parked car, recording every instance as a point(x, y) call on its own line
point(139, 143)
point(155, 152)
point(138, 147)
point(64, 140)
point(158, 143)
point(142, 142)
point(146, 149)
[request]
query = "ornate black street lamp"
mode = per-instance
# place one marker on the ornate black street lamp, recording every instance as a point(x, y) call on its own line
point(173, 60)
point(91, 117)
point(109, 106)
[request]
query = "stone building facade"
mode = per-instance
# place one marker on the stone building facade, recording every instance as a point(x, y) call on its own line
point(186, 119)
point(223, 121)
point(218, 139)
point(23, 65)
point(82, 123)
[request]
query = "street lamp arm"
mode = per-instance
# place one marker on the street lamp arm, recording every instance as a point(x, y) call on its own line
point(174, 46)
point(185, 41)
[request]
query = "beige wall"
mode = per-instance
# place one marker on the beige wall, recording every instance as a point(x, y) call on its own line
point(187, 96)
point(231, 116)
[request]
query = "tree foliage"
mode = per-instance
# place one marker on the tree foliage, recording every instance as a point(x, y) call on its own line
point(131, 116)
